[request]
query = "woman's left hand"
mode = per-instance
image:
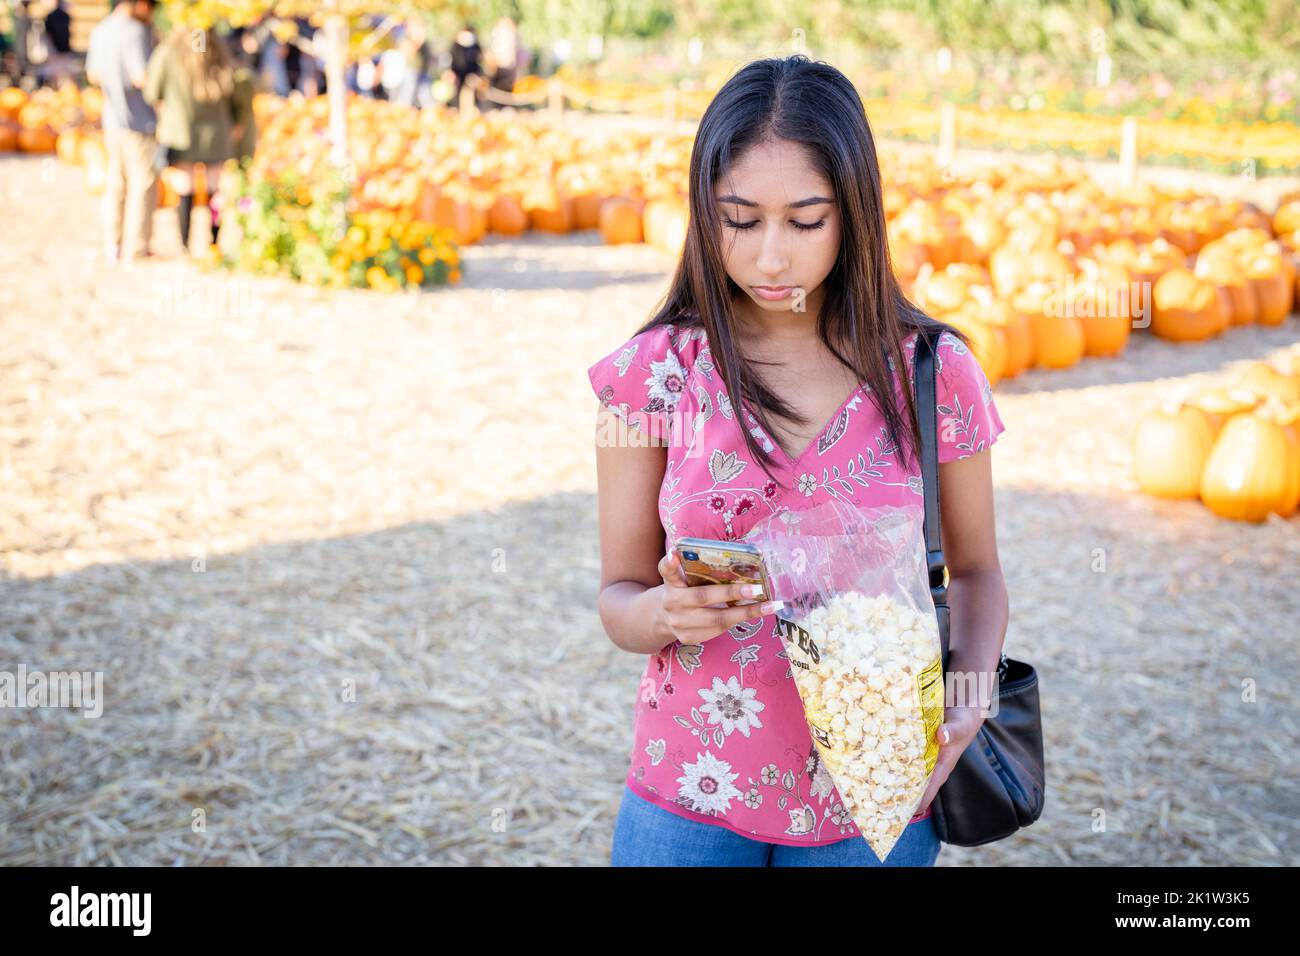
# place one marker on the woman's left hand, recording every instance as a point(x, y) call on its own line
point(959, 727)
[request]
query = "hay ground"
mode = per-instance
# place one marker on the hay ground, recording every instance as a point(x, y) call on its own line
point(336, 555)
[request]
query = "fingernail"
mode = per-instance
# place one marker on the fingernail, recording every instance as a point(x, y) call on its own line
point(753, 590)
point(771, 607)
point(947, 737)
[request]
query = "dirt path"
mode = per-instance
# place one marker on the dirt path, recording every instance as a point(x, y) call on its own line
point(336, 556)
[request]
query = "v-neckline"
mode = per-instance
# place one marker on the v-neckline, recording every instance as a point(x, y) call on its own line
point(793, 462)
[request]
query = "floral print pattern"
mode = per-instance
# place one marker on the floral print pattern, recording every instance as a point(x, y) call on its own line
point(719, 729)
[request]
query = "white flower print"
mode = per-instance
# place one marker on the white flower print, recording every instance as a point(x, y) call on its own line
point(801, 821)
point(822, 784)
point(724, 404)
point(733, 706)
point(806, 484)
point(624, 360)
point(763, 441)
point(725, 467)
point(656, 750)
point(666, 381)
point(706, 785)
point(706, 408)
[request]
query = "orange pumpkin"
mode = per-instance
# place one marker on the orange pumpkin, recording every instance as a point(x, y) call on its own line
point(983, 232)
point(1220, 404)
point(8, 136)
point(586, 210)
point(1219, 265)
point(1186, 307)
point(37, 139)
point(1170, 446)
point(1057, 336)
point(506, 216)
point(1058, 340)
point(1020, 342)
point(1269, 382)
point(1272, 283)
point(1103, 309)
point(948, 289)
point(1013, 268)
point(988, 343)
point(664, 223)
point(620, 221)
point(12, 100)
point(1248, 473)
point(1287, 218)
point(1287, 416)
point(548, 211)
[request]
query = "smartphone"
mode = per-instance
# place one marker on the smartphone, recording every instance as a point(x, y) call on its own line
point(707, 561)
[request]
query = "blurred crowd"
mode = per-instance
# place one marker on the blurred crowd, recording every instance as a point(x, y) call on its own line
point(176, 108)
point(394, 59)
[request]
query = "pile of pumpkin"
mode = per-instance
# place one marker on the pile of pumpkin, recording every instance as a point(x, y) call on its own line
point(1236, 448)
point(1043, 269)
point(34, 123)
point(501, 172)
point(1038, 263)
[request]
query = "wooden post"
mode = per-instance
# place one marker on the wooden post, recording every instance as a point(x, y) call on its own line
point(1128, 151)
point(336, 52)
point(1103, 70)
point(947, 135)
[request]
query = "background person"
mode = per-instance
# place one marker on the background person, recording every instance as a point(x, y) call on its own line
point(117, 61)
point(204, 107)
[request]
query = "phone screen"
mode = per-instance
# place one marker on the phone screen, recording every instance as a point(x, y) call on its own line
point(721, 565)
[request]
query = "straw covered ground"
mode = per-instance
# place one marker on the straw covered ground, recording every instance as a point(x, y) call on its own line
point(336, 557)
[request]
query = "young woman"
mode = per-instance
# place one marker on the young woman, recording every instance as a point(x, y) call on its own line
point(205, 112)
point(769, 374)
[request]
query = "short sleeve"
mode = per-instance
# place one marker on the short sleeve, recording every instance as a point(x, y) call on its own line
point(136, 54)
point(968, 420)
point(642, 381)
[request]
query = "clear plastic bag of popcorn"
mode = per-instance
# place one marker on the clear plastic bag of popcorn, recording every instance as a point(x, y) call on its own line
point(860, 632)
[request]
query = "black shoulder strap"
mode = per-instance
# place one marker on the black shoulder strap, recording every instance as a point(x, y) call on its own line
point(925, 399)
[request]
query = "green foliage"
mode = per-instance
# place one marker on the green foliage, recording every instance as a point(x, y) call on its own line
point(1153, 29)
point(287, 225)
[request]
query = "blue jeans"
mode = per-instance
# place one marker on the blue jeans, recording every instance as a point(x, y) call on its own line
point(648, 835)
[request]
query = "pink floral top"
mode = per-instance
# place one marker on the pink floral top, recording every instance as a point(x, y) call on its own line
point(719, 728)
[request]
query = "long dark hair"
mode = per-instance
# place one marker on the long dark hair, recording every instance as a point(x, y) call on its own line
point(813, 104)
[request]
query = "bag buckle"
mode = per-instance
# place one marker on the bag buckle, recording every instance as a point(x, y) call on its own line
point(938, 572)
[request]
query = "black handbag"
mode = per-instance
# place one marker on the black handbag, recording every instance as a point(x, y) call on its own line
point(998, 785)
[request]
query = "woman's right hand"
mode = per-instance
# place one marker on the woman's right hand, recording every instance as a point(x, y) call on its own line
point(684, 613)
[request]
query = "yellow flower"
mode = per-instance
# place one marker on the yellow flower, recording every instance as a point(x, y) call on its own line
point(376, 277)
point(428, 256)
point(414, 275)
